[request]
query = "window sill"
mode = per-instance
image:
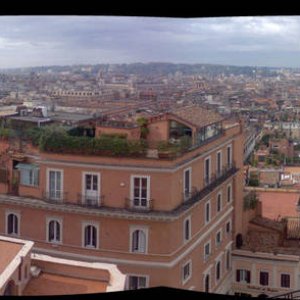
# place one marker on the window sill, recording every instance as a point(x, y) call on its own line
point(184, 281)
point(137, 252)
point(28, 185)
point(55, 243)
point(90, 247)
point(206, 258)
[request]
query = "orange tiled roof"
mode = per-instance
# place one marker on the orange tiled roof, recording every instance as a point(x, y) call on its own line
point(8, 251)
point(51, 284)
point(197, 115)
point(276, 205)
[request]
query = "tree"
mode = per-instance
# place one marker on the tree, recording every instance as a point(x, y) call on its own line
point(143, 123)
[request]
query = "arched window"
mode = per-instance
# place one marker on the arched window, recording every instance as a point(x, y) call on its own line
point(138, 241)
point(90, 236)
point(206, 283)
point(12, 224)
point(54, 234)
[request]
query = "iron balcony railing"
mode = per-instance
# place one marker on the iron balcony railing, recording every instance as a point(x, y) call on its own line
point(90, 201)
point(139, 204)
point(214, 176)
point(209, 184)
point(55, 196)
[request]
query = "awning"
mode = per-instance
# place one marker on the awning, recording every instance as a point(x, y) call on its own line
point(27, 166)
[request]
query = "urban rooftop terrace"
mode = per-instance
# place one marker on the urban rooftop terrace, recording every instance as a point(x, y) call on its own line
point(165, 136)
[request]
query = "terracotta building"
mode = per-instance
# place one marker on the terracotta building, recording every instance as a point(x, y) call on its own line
point(168, 221)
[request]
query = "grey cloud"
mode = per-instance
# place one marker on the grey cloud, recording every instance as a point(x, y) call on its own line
point(44, 40)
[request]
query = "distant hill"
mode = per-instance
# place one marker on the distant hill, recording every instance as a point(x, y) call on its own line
point(154, 69)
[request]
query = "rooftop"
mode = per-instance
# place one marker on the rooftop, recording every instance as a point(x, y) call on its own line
point(279, 204)
point(52, 284)
point(197, 115)
point(9, 251)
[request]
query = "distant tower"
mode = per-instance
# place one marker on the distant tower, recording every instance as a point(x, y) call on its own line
point(100, 78)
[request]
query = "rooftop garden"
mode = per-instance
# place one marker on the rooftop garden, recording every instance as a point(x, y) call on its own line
point(57, 139)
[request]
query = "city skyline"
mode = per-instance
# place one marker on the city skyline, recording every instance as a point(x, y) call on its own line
point(29, 41)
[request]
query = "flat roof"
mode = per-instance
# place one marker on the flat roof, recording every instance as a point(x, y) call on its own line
point(31, 119)
point(60, 116)
point(52, 284)
point(9, 251)
point(276, 205)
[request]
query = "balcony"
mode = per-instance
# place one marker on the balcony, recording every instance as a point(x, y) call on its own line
point(209, 184)
point(90, 201)
point(55, 197)
point(138, 204)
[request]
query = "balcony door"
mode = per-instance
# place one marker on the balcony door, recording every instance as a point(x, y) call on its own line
point(187, 183)
point(91, 188)
point(55, 185)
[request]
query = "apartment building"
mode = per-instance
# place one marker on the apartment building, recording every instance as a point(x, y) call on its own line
point(164, 221)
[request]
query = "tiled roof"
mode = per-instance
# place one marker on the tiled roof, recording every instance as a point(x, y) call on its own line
point(197, 115)
point(8, 252)
point(52, 284)
point(262, 241)
point(276, 205)
point(268, 223)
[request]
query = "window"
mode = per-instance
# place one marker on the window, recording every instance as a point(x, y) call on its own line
point(243, 276)
point(187, 229)
point(218, 270)
point(228, 227)
point(29, 174)
point(219, 164)
point(229, 156)
point(91, 188)
point(140, 191)
point(207, 250)
point(137, 282)
point(12, 224)
point(138, 241)
point(55, 184)
point(229, 193)
point(187, 183)
point(206, 283)
point(90, 236)
point(207, 212)
point(54, 231)
point(20, 272)
point(228, 255)
point(219, 202)
point(186, 272)
point(206, 171)
point(264, 278)
point(218, 238)
point(285, 281)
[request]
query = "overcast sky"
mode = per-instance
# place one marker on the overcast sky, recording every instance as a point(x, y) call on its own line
point(65, 40)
